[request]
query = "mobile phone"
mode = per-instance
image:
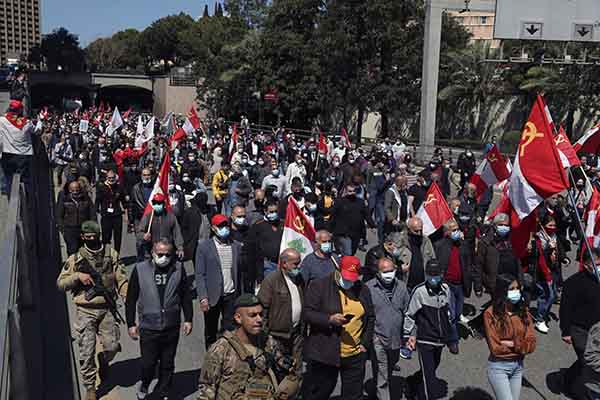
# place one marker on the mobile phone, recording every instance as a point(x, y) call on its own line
point(349, 317)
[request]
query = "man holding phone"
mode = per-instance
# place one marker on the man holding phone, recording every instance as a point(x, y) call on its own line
point(340, 312)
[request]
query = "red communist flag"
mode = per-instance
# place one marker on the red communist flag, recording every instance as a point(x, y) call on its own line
point(493, 169)
point(193, 118)
point(538, 172)
point(161, 185)
point(434, 212)
point(590, 142)
point(568, 156)
point(345, 138)
point(322, 145)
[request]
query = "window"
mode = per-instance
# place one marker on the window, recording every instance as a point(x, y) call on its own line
point(484, 20)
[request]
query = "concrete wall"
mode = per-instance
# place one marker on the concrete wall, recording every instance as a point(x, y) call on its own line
point(172, 98)
point(105, 80)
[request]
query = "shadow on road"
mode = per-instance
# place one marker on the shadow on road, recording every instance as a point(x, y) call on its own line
point(185, 383)
point(124, 373)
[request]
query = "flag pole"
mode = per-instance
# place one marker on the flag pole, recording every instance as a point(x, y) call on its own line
point(150, 222)
point(580, 225)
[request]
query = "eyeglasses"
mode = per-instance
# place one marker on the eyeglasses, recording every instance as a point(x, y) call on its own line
point(162, 254)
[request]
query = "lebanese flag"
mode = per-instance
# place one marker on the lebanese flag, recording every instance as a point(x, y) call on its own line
point(115, 122)
point(567, 153)
point(146, 134)
point(434, 212)
point(493, 169)
point(126, 115)
point(161, 185)
point(234, 140)
point(590, 142)
point(178, 136)
point(592, 229)
point(188, 127)
point(192, 117)
point(345, 138)
point(322, 144)
point(538, 172)
point(298, 232)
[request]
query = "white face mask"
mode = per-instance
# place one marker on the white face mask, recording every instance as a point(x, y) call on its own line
point(161, 261)
point(387, 277)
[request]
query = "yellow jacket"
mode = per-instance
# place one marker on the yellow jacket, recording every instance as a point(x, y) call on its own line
point(219, 184)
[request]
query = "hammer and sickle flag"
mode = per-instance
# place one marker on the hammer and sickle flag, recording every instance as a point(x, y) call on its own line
point(298, 231)
point(493, 169)
point(567, 153)
point(434, 212)
point(538, 171)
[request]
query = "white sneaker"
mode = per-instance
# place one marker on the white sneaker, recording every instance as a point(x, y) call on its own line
point(542, 327)
point(141, 391)
point(464, 320)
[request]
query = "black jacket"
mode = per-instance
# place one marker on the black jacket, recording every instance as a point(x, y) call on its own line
point(71, 213)
point(442, 251)
point(322, 299)
point(349, 217)
point(580, 302)
point(110, 200)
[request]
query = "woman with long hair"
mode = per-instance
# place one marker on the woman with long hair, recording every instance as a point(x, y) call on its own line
point(510, 336)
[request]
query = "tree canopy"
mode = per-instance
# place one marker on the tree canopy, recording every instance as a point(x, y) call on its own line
point(59, 50)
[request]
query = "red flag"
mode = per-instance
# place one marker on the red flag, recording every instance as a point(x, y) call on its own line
point(322, 145)
point(592, 229)
point(176, 137)
point(126, 114)
point(101, 106)
point(493, 169)
point(120, 155)
point(161, 185)
point(234, 140)
point(538, 171)
point(193, 118)
point(434, 212)
point(345, 138)
point(567, 153)
point(590, 142)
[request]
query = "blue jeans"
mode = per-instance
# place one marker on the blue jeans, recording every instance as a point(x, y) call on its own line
point(458, 301)
point(505, 378)
point(546, 297)
point(269, 266)
point(345, 245)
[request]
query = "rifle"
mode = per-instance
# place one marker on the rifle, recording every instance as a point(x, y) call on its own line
point(98, 289)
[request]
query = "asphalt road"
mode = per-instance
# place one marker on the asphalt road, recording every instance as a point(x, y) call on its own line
point(467, 369)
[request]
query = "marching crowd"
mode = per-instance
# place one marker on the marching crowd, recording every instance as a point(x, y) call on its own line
point(281, 324)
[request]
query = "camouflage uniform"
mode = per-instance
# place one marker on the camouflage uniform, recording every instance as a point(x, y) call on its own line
point(94, 317)
point(230, 372)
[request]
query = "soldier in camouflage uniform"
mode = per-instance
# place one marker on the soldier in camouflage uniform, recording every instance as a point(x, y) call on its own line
point(239, 365)
point(94, 316)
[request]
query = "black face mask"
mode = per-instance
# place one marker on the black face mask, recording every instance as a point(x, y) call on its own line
point(93, 244)
point(415, 239)
point(77, 195)
point(298, 195)
point(259, 205)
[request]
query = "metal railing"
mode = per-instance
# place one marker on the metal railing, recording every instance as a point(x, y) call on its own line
point(36, 357)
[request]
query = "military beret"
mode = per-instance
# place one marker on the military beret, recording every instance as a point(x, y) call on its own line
point(246, 300)
point(90, 227)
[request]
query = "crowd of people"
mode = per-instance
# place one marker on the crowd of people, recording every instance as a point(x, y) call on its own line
point(279, 325)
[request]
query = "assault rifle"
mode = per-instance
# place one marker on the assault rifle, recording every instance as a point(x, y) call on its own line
point(98, 289)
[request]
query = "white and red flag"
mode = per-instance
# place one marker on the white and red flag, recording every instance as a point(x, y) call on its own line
point(538, 172)
point(234, 140)
point(146, 134)
point(592, 228)
point(590, 142)
point(344, 138)
point(192, 117)
point(323, 149)
point(161, 186)
point(434, 212)
point(568, 156)
point(298, 232)
point(115, 122)
point(493, 169)
point(126, 114)
point(178, 136)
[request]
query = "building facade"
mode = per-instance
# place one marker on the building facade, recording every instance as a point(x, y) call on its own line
point(20, 22)
point(480, 24)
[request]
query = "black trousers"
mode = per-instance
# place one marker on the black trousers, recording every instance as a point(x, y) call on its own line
point(158, 349)
point(72, 237)
point(112, 227)
point(320, 379)
point(429, 386)
point(579, 338)
point(223, 309)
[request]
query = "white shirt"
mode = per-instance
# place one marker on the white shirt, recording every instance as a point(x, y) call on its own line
point(15, 140)
point(225, 256)
point(296, 302)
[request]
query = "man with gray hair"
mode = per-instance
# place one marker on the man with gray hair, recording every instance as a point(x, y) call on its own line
point(394, 247)
point(421, 251)
point(495, 256)
point(322, 261)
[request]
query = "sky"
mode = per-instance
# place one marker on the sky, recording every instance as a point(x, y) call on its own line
point(91, 19)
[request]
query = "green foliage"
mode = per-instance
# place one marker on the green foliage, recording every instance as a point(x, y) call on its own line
point(59, 49)
point(119, 52)
point(161, 40)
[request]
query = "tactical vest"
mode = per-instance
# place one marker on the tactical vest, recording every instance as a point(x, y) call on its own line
point(103, 265)
point(254, 381)
point(152, 314)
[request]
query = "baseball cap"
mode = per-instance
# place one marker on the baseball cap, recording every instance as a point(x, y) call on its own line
point(159, 197)
point(246, 300)
point(218, 219)
point(349, 268)
point(15, 105)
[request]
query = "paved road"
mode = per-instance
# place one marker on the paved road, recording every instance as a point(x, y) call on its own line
point(465, 369)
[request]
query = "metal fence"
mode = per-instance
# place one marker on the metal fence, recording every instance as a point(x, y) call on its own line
point(36, 357)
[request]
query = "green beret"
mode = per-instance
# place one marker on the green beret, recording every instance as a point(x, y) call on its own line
point(90, 227)
point(246, 300)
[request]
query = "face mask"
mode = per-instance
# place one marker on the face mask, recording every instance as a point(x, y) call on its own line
point(326, 247)
point(244, 161)
point(76, 195)
point(223, 232)
point(514, 296)
point(275, 173)
point(336, 164)
point(503, 230)
point(158, 208)
point(387, 277)
point(239, 221)
point(351, 196)
point(191, 159)
point(146, 181)
point(464, 218)
point(186, 179)
point(345, 284)
point(81, 157)
point(396, 252)
point(294, 272)
point(551, 231)
point(272, 217)
point(312, 208)
point(455, 235)
point(350, 162)
point(261, 162)
point(434, 281)
point(161, 261)
point(171, 188)
point(298, 195)
point(93, 244)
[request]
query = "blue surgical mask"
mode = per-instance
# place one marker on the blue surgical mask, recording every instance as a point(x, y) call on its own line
point(293, 273)
point(396, 252)
point(158, 208)
point(514, 296)
point(326, 247)
point(455, 235)
point(223, 232)
point(345, 284)
point(312, 208)
point(275, 173)
point(503, 230)
point(272, 217)
point(434, 281)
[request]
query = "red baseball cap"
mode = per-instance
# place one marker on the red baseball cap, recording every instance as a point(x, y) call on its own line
point(159, 197)
point(218, 219)
point(15, 105)
point(350, 268)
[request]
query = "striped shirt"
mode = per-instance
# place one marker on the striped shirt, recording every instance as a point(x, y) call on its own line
point(225, 255)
